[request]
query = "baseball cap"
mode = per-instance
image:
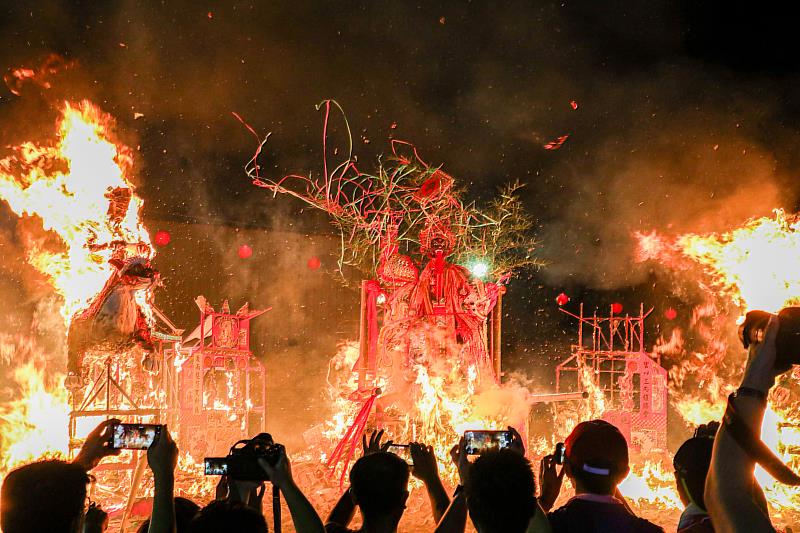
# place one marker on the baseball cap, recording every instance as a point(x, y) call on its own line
point(597, 447)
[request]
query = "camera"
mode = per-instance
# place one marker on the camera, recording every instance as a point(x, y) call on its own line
point(241, 463)
point(787, 343)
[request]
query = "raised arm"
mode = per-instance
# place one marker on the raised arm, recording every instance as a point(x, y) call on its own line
point(344, 510)
point(96, 446)
point(539, 522)
point(304, 516)
point(550, 481)
point(455, 518)
point(730, 482)
point(426, 470)
point(162, 456)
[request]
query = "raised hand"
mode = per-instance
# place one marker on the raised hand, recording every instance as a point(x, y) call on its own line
point(97, 445)
point(517, 444)
point(95, 520)
point(374, 445)
point(760, 373)
point(459, 456)
point(550, 481)
point(425, 467)
point(280, 474)
point(162, 455)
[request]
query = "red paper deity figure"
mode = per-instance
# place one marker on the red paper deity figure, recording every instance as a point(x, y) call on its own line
point(436, 317)
point(422, 315)
point(114, 321)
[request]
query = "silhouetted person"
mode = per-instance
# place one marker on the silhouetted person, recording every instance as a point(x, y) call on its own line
point(185, 511)
point(379, 487)
point(596, 462)
point(44, 496)
point(223, 516)
point(691, 463)
point(239, 508)
point(50, 496)
point(732, 497)
point(501, 492)
point(498, 492)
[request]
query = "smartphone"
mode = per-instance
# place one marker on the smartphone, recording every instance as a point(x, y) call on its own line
point(133, 436)
point(403, 451)
point(215, 466)
point(560, 454)
point(478, 442)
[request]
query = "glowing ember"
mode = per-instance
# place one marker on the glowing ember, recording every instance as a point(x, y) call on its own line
point(556, 143)
point(245, 251)
point(163, 238)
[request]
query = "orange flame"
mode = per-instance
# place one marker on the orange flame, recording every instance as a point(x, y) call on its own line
point(443, 406)
point(66, 186)
point(36, 424)
point(755, 266)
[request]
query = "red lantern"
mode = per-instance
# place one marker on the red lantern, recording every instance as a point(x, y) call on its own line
point(616, 308)
point(670, 314)
point(162, 238)
point(314, 263)
point(245, 251)
point(562, 299)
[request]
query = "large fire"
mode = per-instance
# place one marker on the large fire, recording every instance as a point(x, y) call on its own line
point(755, 266)
point(67, 187)
point(35, 425)
point(444, 408)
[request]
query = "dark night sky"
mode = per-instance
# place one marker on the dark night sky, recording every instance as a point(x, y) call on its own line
point(687, 117)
